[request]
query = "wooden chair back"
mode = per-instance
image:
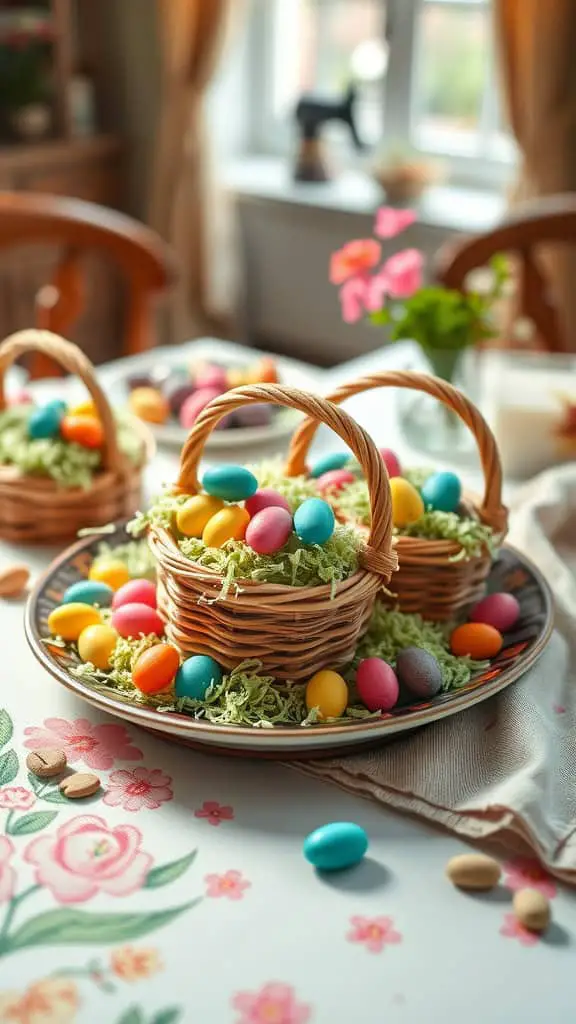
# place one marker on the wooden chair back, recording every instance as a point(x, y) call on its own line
point(76, 227)
point(525, 230)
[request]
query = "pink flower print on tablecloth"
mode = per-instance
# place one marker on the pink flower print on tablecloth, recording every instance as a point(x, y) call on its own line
point(98, 746)
point(275, 1003)
point(16, 798)
point(7, 873)
point(85, 857)
point(137, 788)
point(374, 932)
point(231, 885)
point(52, 1001)
point(512, 929)
point(132, 964)
point(214, 812)
point(528, 873)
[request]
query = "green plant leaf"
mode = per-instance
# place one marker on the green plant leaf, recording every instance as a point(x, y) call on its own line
point(54, 796)
point(164, 874)
point(8, 767)
point(66, 926)
point(133, 1015)
point(34, 782)
point(169, 1016)
point(29, 823)
point(6, 727)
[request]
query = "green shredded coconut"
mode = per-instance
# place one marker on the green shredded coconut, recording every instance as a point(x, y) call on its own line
point(135, 554)
point(296, 489)
point(68, 463)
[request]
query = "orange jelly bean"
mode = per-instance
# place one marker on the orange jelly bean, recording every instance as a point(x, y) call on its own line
point(156, 668)
point(84, 430)
point(476, 640)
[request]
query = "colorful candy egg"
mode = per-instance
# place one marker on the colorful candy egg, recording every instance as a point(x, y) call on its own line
point(196, 675)
point(264, 371)
point(419, 672)
point(149, 404)
point(377, 684)
point(210, 376)
point(259, 415)
point(499, 610)
point(86, 431)
point(336, 846)
point(196, 512)
point(269, 530)
point(96, 644)
point(86, 408)
point(391, 461)
point(442, 492)
point(265, 497)
point(476, 640)
point(68, 620)
point(45, 420)
point(89, 592)
point(195, 404)
point(156, 668)
point(230, 482)
point(328, 692)
point(139, 380)
point(176, 393)
point(136, 591)
point(238, 376)
point(336, 460)
point(228, 524)
point(407, 505)
point(133, 620)
point(314, 521)
point(335, 480)
point(111, 571)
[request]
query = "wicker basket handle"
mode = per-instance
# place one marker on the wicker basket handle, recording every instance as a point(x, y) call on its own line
point(492, 511)
point(378, 556)
point(72, 359)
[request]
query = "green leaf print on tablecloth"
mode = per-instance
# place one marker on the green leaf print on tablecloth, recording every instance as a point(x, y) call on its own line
point(30, 823)
point(8, 767)
point(135, 1015)
point(6, 728)
point(166, 873)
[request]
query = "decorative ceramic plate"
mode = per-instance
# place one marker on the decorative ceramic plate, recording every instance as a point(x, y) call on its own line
point(511, 572)
point(159, 362)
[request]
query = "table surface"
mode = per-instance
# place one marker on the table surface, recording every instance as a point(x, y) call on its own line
point(180, 893)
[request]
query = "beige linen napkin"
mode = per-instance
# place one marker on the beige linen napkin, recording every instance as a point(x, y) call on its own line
point(504, 770)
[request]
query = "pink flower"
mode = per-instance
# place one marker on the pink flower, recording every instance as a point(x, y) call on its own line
point(512, 929)
point(353, 294)
point(136, 788)
point(390, 222)
point(275, 1003)
point(374, 932)
point(7, 873)
point(559, 709)
point(354, 258)
point(231, 885)
point(377, 288)
point(86, 857)
point(525, 872)
point(404, 273)
point(16, 798)
point(98, 746)
point(214, 812)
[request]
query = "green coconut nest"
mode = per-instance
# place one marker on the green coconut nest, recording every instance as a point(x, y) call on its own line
point(68, 463)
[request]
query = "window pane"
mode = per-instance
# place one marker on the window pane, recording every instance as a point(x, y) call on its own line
point(451, 75)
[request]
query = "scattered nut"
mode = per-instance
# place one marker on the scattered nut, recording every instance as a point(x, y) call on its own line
point(46, 763)
point(79, 785)
point(13, 580)
point(473, 871)
point(532, 909)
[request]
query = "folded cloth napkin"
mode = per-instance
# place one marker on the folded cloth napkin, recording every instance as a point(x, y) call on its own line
point(504, 770)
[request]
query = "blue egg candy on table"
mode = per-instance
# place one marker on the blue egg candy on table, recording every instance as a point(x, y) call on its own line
point(336, 846)
point(314, 521)
point(229, 482)
point(337, 460)
point(442, 492)
point(89, 592)
point(45, 421)
point(195, 675)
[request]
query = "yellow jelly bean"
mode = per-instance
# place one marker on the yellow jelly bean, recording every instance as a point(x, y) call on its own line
point(111, 571)
point(328, 692)
point(228, 524)
point(68, 620)
point(86, 408)
point(407, 505)
point(237, 377)
point(149, 404)
point(96, 644)
point(194, 514)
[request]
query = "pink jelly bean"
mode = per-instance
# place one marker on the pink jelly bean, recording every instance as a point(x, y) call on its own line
point(265, 497)
point(194, 404)
point(391, 461)
point(377, 684)
point(335, 480)
point(499, 610)
point(139, 591)
point(131, 620)
point(211, 377)
point(269, 530)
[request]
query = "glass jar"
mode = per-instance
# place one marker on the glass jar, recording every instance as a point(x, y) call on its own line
point(427, 424)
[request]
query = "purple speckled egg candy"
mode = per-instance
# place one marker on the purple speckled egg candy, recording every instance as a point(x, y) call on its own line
point(377, 684)
point(210, 376)
point(334, 480)
point(391, 461)
point(265, 497)
point(499, 610)
point(269, 530)
point(419, 672)
point(194, 405)
point(259, 415)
